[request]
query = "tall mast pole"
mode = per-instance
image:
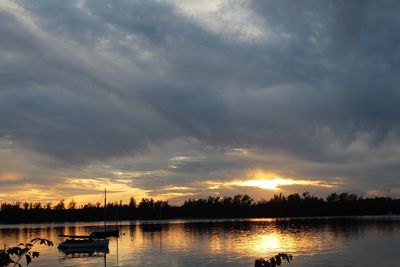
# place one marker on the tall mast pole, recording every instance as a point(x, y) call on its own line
point(105, 207)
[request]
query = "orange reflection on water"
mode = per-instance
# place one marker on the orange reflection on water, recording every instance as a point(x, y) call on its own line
point(254, 244)
point(226, 240)
point(262, 238)
point(267, 242)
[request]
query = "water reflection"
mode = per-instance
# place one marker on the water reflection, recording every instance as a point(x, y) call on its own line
point(85, 252)
point(313, 242)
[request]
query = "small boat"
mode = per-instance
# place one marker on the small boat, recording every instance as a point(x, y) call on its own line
point(90, 251)
point(104, 232)
point(83, 243)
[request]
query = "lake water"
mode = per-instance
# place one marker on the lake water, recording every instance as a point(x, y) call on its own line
point(363, 241)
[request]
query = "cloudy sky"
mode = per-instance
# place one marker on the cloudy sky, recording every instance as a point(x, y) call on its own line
point(179, 99)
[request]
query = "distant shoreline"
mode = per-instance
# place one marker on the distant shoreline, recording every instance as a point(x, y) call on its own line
point(236, 207)
point(206, 220)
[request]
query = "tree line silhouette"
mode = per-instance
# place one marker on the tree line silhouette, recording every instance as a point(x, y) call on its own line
point(238, 206)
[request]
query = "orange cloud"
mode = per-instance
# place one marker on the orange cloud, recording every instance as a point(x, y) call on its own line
point(10, 176)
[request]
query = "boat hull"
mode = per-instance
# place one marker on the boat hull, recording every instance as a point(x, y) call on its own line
point(82, 244)
point(105, 233)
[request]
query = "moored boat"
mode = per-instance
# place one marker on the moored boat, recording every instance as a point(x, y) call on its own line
point(82, 243)
point(79, 244)
point(103, 233)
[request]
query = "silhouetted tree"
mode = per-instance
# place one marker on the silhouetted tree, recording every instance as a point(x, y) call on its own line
point(132, 203)
point(212, 207)
point(60, 205)
point(72, 205)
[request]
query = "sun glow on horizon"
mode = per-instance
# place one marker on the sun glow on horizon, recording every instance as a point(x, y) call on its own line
point(266, 184)
point(271, 181)
point(122, 187)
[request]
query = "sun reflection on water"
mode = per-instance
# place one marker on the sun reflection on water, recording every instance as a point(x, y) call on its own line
point(267, 242)
point(185, 243)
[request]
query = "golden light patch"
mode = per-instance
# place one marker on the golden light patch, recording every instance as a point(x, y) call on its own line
point(177, 188)
point(265, 184)
point(35, 195)
point(214, 187)
point(10, 176)
point(268, 180)
point(269, 242)
point(166, 196)
point(117, 189)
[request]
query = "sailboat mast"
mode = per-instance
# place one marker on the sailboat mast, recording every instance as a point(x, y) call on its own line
point(105, 208)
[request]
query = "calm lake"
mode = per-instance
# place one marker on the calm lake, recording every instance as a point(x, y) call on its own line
point(362, 241)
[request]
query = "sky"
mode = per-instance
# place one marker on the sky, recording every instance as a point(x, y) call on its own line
point(178, 99)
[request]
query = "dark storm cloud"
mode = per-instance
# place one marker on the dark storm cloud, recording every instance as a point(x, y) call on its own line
point(61, 105)
point(90, 81)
